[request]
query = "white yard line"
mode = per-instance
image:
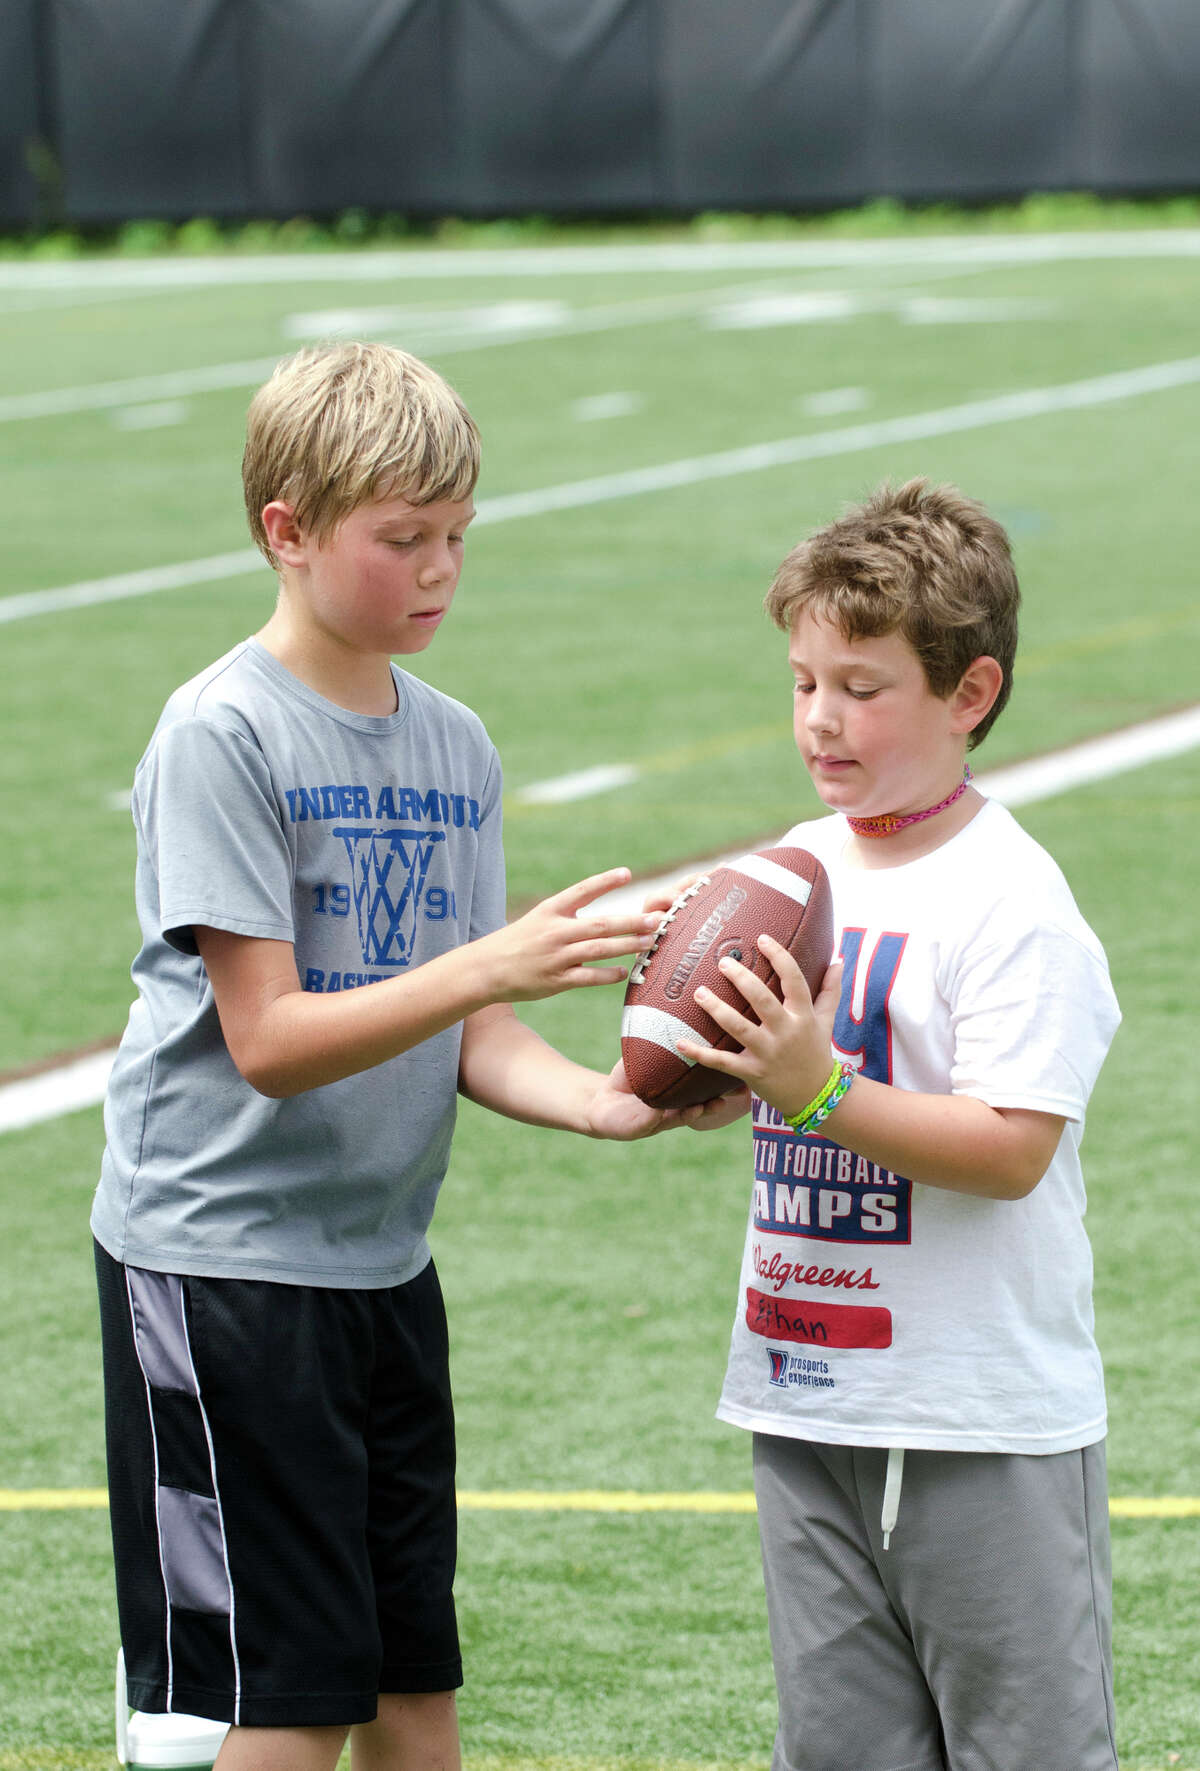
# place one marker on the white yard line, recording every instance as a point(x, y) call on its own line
point(156, 415)
point(135, 390)
point(51, 1093)
point(581, 784)
point(1042, 777)
point(426, 338)
point(92, 280)
point(81, 1083)
point(1097, 759)
point(127, 584)
point(436, 335)
point(851, 439)
point(340, 268)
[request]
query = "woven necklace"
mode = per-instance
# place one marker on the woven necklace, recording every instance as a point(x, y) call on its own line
point(889, 822)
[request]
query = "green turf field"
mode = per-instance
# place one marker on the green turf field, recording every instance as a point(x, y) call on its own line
point(591, 1288)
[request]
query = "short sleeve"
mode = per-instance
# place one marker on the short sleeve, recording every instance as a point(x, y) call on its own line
point(1033, 1018)
point(211, 834)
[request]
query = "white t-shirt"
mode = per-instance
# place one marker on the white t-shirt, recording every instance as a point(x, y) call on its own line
point(874, 1310)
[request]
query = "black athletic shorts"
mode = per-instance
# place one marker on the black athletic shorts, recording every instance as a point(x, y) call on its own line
point(281, 1488)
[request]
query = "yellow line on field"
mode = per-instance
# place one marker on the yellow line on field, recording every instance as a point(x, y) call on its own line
point(38, 1500)
point(1165, 1506)
point(670, 762)
point(1107, 639)
point(586, 1500)
point(595, 1500)
point(684, 756)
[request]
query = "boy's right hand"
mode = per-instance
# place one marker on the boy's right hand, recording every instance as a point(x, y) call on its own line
point(661, 900)
point(553, 947)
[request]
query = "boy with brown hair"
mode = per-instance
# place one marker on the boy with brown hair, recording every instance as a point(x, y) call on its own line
point(913, 1349)
point(325, 965)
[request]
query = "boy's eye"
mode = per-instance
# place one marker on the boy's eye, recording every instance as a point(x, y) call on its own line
point(804, 688)
point(864, 694)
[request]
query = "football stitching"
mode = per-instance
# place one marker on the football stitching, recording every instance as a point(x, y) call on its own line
point(640, 967)
point(718, 937)
point(709, 1030)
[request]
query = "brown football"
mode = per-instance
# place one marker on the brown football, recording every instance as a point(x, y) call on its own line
point(782, 892)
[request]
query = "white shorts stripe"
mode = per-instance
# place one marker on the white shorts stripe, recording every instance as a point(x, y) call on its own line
point(138, 1352)
point(193, 1551)
point(224, 1542)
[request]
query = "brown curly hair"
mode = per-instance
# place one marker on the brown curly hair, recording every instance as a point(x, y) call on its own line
point(921, 560)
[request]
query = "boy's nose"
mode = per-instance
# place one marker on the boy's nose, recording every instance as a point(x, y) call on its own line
point(438, 567)
point(820, 714)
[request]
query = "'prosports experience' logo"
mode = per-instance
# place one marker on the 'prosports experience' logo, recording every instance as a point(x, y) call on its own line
point(796, 1371)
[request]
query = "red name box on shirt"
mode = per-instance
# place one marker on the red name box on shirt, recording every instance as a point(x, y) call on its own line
point(817, 1323)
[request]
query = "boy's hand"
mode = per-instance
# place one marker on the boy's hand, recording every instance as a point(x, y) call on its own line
point(785, 1059)
point(713, 1115)
point(554, 948)
point(660, 902)
point(616, 1112)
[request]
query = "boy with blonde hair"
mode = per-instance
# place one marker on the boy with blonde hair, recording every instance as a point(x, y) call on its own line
point(913, 1349)
point(324, 965)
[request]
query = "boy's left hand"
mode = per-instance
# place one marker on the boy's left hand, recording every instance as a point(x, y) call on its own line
point(785, 1058)
point(616, 1112)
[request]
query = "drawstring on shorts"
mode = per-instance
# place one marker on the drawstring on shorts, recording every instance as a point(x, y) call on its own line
point(891, 1492)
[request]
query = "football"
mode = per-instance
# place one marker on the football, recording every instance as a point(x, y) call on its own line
point(782, 892)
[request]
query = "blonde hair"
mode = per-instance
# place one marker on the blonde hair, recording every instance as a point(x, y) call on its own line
point(921, 560)
point(337, 426)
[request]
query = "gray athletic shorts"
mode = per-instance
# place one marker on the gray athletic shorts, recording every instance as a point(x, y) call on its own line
point(980, 1640)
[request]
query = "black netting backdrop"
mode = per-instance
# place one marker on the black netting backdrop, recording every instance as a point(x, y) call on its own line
point(112, 109)
point(23, 129)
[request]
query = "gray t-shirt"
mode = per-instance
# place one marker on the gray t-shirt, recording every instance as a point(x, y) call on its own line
point(372, 844)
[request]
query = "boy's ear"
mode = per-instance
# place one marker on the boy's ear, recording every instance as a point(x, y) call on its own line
point(975, 695)
point(284, 534)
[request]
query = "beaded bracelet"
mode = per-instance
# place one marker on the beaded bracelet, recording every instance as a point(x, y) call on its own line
point(822, 1105)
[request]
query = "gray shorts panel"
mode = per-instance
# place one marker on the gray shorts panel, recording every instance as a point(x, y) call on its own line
point(981, 1640)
